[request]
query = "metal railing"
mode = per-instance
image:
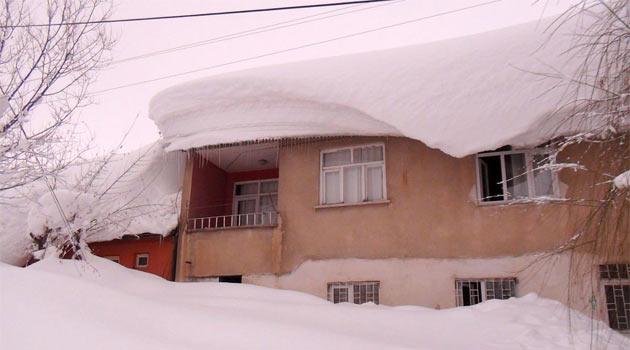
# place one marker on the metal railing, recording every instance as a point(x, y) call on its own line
point(232, 221)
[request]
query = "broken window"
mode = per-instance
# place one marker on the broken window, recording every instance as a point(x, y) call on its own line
point(475, 291)
point(513, 175)
point(353, 175)
point(354, 292)
point(616, 280)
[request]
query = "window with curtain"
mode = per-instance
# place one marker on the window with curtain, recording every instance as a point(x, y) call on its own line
point(353, 175)
point(512, 175)
point(255, 202)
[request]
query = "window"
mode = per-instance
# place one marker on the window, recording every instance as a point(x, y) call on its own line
point(475, 291)
point(142, 260)
point(616, 283)
point(513, 175)
point(256, 202)
point(353, 292)
point(114, 258)
point(353, 175)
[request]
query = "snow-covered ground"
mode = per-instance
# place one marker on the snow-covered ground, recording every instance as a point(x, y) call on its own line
point(101, 305)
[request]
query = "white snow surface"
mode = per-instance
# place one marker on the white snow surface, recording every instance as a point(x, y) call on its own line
point(461, 95)
point(622, 181)
point(134, 193)
point(102, 305)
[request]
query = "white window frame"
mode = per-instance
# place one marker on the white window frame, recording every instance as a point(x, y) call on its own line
point(483, 292)
point(142, 255)
point(256, 196)
point(349, 287)
point(528, 153)
point(339, 168)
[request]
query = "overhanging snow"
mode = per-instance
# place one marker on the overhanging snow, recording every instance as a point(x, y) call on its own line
point(462, 96)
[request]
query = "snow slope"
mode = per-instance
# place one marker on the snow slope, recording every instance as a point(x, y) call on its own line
point(461, 95)
point(102, 305)
point(132, 194)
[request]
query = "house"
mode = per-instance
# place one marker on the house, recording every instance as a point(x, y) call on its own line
point(152, 253)
point(412, 176)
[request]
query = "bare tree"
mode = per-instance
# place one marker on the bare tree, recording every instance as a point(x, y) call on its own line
point(50, 51)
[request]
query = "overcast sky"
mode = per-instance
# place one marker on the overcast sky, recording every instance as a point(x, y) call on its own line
point(113, 112)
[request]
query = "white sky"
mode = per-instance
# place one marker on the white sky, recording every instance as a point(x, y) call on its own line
point(114, 111)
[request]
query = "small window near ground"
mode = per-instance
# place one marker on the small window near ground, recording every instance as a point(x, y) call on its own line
point(475, 291)
point(515, 175)
point(231, 279)
point(354, 292)
point(353, 175)
point(142, 260)
point(114, 258)
point(616, 283)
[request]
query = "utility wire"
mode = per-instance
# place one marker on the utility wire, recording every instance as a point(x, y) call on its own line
point(254, 31)
point(193, 15)
point(273, 53)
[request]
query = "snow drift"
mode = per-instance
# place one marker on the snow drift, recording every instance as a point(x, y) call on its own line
point(102, 305)
point(461, 95)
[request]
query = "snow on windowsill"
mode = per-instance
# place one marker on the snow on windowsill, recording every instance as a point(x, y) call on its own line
point(510, 202)
point(340, 205)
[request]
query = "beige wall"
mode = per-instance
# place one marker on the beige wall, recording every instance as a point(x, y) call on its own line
point(432, 211)
point(431, 231)
point(230, 252)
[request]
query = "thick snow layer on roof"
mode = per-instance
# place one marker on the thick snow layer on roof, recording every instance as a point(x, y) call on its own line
point(132, 194)
point(133, 310)
point(462, 95)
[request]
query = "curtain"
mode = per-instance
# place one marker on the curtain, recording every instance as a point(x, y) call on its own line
point(332, 187)
point(352, 185)
point(516, 175)
point(543, 180)
point(374, 183)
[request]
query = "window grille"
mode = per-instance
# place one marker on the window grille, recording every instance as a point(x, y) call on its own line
point(616, 282)
point(474, 291)
point(355, 292)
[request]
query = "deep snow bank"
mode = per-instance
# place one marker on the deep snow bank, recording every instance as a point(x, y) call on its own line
point(462, 95)
point(101, 305)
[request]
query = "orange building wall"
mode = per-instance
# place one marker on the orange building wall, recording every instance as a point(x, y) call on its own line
point(160, 250)
point(207, 196)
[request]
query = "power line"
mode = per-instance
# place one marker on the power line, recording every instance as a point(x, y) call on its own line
point(273, 53)
point(193, 15)
point(253, 31)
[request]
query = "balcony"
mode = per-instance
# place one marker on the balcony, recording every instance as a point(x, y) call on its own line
point(234, 187)
point(262, 219)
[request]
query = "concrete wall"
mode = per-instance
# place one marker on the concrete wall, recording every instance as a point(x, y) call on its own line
point(432, 211)
point(430, 230)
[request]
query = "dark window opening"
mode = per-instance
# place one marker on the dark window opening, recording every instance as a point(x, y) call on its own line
point(618, 306)
point(231, 279)
point(491, 178)
point(142, 260)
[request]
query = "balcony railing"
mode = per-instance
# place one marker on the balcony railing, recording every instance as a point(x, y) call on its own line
point(233, 221)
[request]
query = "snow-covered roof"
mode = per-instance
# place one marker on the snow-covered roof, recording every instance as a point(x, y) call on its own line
point(133, 193)
point(461, 95)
